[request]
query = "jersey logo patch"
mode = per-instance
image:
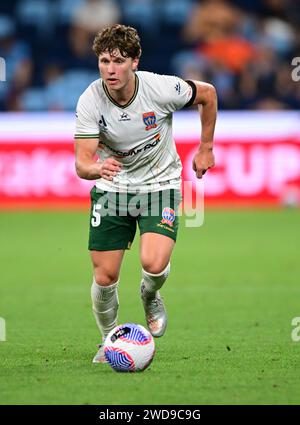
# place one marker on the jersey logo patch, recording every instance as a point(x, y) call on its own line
point(124, 117)
point(102, 124)
point(178, 88)
point(149, 119)
point(168, 216)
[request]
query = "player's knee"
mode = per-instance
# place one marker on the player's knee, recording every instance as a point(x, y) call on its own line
point(105, 278)
point(155, 267)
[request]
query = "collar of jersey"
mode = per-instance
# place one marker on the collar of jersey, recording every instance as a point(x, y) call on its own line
point(136, 89)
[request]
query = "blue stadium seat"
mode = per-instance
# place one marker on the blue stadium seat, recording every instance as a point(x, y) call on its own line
point(37, 14)
point(64, 92)
point(65, 10)
point(34, 99)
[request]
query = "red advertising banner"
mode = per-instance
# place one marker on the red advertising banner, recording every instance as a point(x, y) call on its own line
point(252, 172)
point(257, 160)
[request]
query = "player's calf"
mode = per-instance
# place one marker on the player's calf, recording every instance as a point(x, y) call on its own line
point(155, 311)
point(105, 304)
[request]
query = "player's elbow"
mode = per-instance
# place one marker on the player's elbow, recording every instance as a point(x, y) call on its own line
point(212, 91)
point(211, 94)
point(206, 94)
point(80, 170)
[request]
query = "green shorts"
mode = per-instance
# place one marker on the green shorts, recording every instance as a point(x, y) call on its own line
point(114, 217)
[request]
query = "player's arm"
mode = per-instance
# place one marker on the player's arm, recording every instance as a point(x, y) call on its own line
point(86, 165)
point(205, 97)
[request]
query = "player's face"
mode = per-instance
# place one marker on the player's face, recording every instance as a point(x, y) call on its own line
point(116, 70)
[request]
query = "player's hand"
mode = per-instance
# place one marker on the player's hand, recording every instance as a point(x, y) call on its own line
point(109, 168)
point(203, 160)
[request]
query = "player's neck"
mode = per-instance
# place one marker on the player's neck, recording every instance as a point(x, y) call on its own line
point(123, 95)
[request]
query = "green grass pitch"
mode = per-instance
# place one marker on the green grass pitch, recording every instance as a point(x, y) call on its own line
point(233, 291)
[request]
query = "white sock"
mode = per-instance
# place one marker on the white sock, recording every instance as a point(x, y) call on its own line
point(105, 303)
point(153, 282)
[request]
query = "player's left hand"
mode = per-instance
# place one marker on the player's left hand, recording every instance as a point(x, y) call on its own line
point(203, 160)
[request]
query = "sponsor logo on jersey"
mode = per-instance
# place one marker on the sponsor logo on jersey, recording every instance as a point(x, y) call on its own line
point(178, 87)
point(102, 124)
point(134, 151)
point(149, 119)
point(168, 216)
point(124, 117)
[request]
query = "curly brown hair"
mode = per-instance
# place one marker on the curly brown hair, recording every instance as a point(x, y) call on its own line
point(121, 37)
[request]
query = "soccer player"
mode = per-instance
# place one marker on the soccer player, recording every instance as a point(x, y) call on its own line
point(125, 118)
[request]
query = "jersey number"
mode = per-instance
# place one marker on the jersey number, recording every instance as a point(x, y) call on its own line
point(96, 218)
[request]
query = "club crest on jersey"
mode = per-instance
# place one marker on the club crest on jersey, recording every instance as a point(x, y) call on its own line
point(168, 216)
point(149, 119)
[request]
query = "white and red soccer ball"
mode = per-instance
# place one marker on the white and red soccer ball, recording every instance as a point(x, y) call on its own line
point(129, 348)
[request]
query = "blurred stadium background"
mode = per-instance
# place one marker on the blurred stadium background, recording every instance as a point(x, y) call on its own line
point(243, 285)
point(245, 48)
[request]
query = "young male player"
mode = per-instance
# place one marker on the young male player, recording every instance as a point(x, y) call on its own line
point(125, 117)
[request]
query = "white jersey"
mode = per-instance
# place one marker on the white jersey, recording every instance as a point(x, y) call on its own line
point(138, 134)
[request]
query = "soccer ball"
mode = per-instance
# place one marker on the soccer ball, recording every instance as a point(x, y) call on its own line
point(129, 348)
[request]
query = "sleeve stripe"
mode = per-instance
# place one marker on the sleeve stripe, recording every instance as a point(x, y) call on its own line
point(86, 136)
point(194, 89)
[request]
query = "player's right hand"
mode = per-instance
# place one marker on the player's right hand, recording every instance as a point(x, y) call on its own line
point(109, 168)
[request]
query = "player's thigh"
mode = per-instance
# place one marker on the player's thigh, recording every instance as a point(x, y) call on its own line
point(106, 265)
point(155, 251)
point(109, 230)
point(158, 229)
point(110, 234)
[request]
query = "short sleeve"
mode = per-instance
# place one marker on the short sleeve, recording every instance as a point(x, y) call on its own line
point(86, 121)
point(175, 93)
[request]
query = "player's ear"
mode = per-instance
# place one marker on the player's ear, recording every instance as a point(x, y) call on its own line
point(135, 64)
